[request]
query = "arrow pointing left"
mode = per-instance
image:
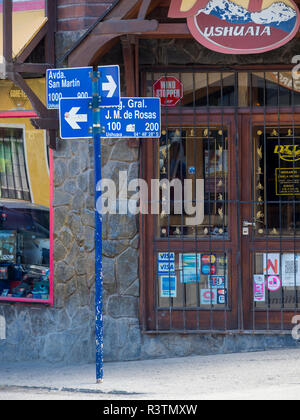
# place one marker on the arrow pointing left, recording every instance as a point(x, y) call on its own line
point(72, 117)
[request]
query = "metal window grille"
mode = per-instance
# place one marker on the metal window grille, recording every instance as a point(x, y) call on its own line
point(237, 268)
point(13, 177)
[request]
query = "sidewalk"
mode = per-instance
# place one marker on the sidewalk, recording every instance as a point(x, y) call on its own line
point(267, 375)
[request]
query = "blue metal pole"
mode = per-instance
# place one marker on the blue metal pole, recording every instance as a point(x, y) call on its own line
point(96, 103)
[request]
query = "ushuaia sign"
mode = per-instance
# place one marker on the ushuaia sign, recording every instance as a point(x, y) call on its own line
point(239, 26)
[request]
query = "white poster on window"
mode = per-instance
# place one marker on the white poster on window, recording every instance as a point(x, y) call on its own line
point(290, 270)
point(271, 264)
point(259, 288)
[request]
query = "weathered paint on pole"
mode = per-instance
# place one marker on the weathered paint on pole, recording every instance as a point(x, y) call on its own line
point(96, 103)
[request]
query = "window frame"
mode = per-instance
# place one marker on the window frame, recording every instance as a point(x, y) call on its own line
point(30, 114)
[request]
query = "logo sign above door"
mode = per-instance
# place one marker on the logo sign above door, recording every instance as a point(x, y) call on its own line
point(239, 26)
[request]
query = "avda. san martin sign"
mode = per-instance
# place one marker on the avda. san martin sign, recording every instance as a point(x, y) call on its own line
point(239, 26)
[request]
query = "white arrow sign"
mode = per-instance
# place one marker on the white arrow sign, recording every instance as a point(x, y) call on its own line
point(73, 118)
point(109, 87)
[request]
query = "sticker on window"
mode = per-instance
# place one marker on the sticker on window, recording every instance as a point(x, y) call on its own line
point(209, 297)
point(259, 288)
point(274, 283)
point(168, 286)
point(290, 270)
point(189, 265)
point(166, 263)
point(271, 264)
point(217, 282)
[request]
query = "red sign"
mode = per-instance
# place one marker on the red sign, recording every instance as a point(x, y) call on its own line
point(239, 26)
point(169, 89)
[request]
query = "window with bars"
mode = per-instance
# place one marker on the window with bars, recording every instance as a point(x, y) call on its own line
point(236, 267)
point(13, 177)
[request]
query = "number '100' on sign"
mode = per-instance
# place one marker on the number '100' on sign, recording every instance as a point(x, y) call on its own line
point(133, 118)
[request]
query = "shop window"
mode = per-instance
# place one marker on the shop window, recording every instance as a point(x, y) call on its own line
point(277, 181)
point(224, 89)
point(198, 88)
point(276, 282)
point(275, 89)
point(189, 155)
point(235, 265)
point(24, 216)
point(189, 280)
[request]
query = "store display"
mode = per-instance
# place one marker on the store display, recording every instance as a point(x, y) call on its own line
point(24, 253)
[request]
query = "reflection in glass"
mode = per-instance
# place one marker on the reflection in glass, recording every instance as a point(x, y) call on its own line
point(24, 225)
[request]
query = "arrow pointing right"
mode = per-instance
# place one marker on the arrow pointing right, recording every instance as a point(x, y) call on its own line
point(111, 86)
point(72, 118)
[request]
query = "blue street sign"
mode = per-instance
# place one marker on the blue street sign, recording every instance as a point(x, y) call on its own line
point(76, 118)
point(133, 118)
point(68, 83)
point(109, 85)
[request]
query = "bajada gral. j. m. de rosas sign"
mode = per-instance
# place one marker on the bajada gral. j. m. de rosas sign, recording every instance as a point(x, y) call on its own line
point(239, 26)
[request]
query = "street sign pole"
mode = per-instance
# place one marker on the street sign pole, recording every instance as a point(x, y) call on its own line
point(96, 103)
point(105, 115)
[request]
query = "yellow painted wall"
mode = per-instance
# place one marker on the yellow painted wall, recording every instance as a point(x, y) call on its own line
point(26, 24)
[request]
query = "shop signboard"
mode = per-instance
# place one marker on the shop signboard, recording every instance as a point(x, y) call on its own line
point(239, 26)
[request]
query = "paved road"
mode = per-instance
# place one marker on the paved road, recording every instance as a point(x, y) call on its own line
point(273, 375)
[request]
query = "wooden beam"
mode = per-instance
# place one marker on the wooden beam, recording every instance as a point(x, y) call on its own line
point(48, 119)
point(128, 47)
point(38, 106)
point(35, 68)
point(130, 26)
point(7, 30)
point(144, 9)
point(51, 13)
point(169, 30)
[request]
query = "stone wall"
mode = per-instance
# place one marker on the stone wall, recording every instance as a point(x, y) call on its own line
point(66, 332)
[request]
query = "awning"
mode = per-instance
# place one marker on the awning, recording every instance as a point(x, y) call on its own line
point(28, 19)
